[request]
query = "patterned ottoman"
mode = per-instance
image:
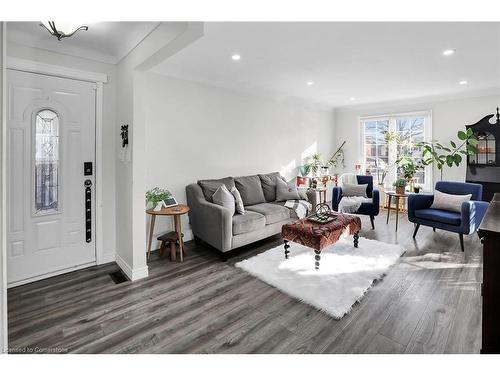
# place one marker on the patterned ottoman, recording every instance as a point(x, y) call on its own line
point(318, 236)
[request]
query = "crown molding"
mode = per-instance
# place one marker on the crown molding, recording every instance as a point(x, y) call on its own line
point(493, 91)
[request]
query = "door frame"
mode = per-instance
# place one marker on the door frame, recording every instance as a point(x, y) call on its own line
point(98, 79)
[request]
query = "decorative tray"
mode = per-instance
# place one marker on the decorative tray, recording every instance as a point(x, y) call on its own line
point(323, 219)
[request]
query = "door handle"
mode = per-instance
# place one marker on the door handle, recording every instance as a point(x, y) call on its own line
point(88, 210)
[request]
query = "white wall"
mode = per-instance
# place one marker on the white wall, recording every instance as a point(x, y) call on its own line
point(109, 134)
point(164, 41)
point(448, 117)
point(194, 131)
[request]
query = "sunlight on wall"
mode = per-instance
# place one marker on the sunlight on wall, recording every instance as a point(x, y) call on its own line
point(309, 151)
point(289, 171)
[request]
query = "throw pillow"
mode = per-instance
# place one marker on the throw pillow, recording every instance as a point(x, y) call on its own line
point(210, 186)
point(449, 202)
point(286, 191)
point(250, 190)
point(349, 190)
point(224, 198)
point(268, 182)
point(240, 208)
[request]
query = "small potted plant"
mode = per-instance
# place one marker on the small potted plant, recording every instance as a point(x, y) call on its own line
point(156, 196)
point(400, 185)
point(416, 188)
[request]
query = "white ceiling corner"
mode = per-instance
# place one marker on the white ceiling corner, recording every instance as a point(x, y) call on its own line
point(107, 42)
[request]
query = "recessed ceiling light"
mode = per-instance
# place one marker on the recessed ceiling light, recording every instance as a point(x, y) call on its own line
point(236, 57)
point(464, 82)
point(448, 52)
point(309, 83)
point(352, 98)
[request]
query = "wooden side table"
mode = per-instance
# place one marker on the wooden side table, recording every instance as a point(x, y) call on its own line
point(176, 212)
point(397, 197)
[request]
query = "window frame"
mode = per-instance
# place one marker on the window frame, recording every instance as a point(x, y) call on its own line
point(392, 118)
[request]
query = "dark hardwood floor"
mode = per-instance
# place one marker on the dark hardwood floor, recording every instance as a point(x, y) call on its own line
point(428, 303)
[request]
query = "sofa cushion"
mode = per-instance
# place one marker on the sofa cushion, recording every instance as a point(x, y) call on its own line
point(224, 198)
point(440, 216)
point(292, 213)
point(209, 187)
point(286, 191)
point(248, 222)
point(250, 189)
point(268, 182)
point(272, 212)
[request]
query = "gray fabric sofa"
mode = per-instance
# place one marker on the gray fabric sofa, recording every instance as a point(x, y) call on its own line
point(263, 216)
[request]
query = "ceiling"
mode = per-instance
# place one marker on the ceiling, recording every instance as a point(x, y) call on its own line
point(107, 42)
point(350, 63)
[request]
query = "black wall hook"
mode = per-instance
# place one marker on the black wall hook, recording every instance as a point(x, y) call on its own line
point(124, 135)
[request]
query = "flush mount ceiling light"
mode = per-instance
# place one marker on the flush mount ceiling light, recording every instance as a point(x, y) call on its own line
point(63, 29)
point(236, 57)
point(449, 52)
point(463, 82)
point(352, 98)
point(309, 83)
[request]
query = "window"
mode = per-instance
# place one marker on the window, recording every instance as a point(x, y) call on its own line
point(46, 186)
point(380, 155)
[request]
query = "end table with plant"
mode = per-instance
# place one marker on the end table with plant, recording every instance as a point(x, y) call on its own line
point(400, 185)
point(156, 196)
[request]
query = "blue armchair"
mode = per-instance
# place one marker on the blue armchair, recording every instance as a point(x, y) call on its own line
point(465, 222)
point(372, 209)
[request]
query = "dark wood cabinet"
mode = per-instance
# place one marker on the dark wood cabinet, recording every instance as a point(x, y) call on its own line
point(484, 167)
point(489, 231)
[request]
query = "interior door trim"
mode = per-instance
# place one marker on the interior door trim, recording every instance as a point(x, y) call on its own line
point(30, 66)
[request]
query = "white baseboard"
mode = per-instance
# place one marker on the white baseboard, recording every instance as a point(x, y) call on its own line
point(132, 274)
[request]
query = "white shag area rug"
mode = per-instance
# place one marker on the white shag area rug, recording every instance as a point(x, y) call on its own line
point(345, 273)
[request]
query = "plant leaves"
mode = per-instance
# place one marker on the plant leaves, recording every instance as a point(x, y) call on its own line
point(462, 135)
point(453, 144)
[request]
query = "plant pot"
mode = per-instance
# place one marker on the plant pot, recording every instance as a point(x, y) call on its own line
point(400, 190)
point(158, 206)
point(416, 189)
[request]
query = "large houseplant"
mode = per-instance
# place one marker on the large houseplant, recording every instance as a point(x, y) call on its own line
point(440, 155)
point(408, 167)
point(313, 165)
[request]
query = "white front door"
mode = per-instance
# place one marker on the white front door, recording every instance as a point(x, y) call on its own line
point(51, 215)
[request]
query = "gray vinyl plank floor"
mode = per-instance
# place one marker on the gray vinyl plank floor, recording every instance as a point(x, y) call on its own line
point(429, 302)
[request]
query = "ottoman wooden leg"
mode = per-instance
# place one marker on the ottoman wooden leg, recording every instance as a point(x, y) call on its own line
point(287, 246)
point(356, 239)
point(317, 259)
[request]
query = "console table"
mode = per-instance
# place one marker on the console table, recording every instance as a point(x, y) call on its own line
point(489, 231)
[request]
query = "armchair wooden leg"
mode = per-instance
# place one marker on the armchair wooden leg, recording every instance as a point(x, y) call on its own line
point(373, 223)
point(433, 229)
point(461, 241)
point(416, 230)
